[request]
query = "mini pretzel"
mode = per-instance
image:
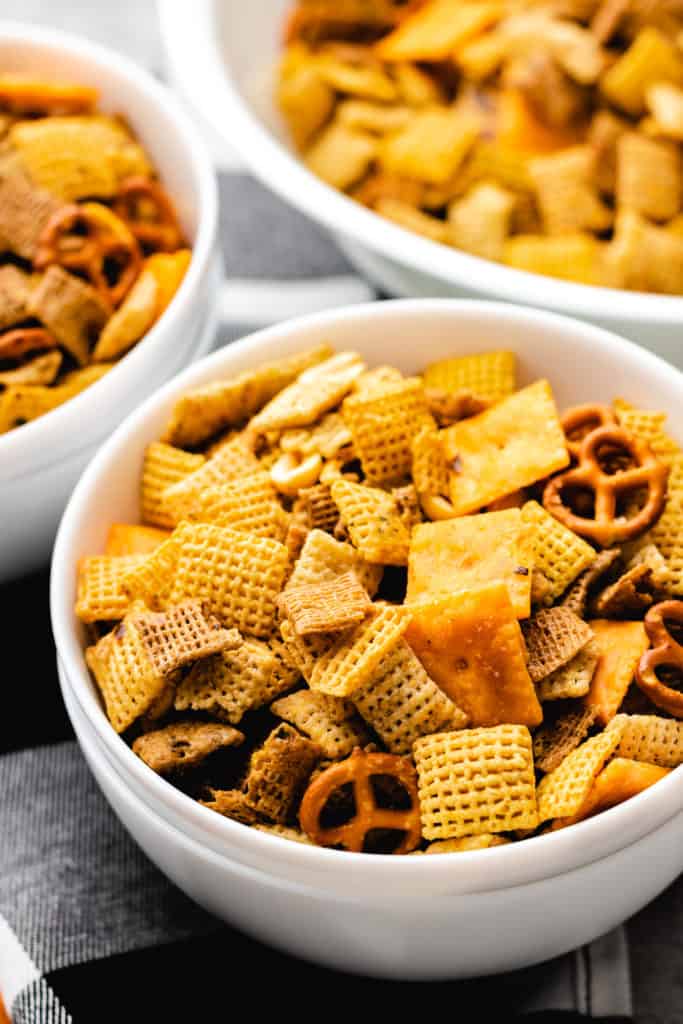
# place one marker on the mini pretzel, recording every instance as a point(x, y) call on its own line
point(607, 528)
point(17, 343)
point(78, 238)
point(358, 770)
point(159, 231)
point(665, 651)
point(585, 418)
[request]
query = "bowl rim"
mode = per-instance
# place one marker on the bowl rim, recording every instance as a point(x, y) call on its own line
point(20, 445)
point(570, 846)
point(190, 38)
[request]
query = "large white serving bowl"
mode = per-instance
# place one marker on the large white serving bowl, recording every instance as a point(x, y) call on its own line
point(41, 461)
point(222, 55)
point(442, 916)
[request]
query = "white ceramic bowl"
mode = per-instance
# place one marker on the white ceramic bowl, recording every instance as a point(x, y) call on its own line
point(41, 461)
point(441, 916)
point(222, 55)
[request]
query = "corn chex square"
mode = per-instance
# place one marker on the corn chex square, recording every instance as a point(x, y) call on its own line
point(285, 675)
point(562, 792)
point(402, 703)
point(303, 651)
point(323, 558)
point(558, 553)
point(249, 504)
point(200, 414)
point(230, 683)
point(231, 461)
point(430, 469)
point(374, 523)
point(511, 445)
point(648, 426)
point(489, 375)
point(355, 655)
point(326, 607)
point(330, 722)
point(383, 427)
point(100, 596)
point(151, 580)
point(652, 739)
point(162, 467)
point(236, 576)
point(476, 781)
point(667, 535)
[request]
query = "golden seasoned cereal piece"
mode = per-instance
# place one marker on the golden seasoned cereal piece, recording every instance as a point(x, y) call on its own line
point(666, 534)
point(184, 745)
point(558, 553)
point(453, 555)
point(375, 381)
point(472, 647)
point(644, 256)
point(278, 771)
point(412, 219)
point(305, 100)
point(101, 597)
point(75, 381)
point(319, 507)
point(203, 412)
point(553, 637)
point(235, 575)
point(648, 176)
point(549, 93)
point(247, 503)
point(325, 607)
point(151, 580)
point(128, 539)
point(576, 598)
point(373, 521)
point(22, 94)
point(651, 556)
point(652, 739)
point(511, 445)
point(650, 58)
point(231, 803)
point(407, 505)
point(327, 437)
point(362, 78)
point(355, 655)
point(79, 157)
point(555, 741)
point(22, 403)
point(572, 679)
point(303, 651)
point(71, 309)
point(330, 722)
point(476, 781)
point(648, 425)
point(620, 646)
point(431, 147)
point(41, 371)
point(402, 703)
point(230, 683)
point(15, 292)
point(618, 781)
point(314, 392)
point(447, 408)
point(480, 222)
point(566, 191)
point(285, 675)
point(574, 257)
point(665, 102)
point(489, 375)
point(415, 85)
point(383, 427)
point(232, 461)
point(376, 118)
point(575, 48)
point(134, 317)
point(481, 842)
point(430, 471)
point(25, 209)
point(340, 155)
point(437, 29)
point(178, 636)
point(632, 593)
point(322, 559)
point(603, 134)
point(163, 466)
point(563, 790)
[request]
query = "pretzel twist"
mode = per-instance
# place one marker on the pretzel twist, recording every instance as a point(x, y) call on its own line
point(606, 527)
point(80, 238)
point(358, 770)
point(665, 652)
point(19, 342)
point(585, 418)
point(161, 230)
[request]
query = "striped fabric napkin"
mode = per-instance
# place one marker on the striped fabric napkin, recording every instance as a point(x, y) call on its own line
point(89, 929)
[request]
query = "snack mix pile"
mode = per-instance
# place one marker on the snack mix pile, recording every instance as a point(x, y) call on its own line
point(397, 614)
point(543, 134)
point(91, 252)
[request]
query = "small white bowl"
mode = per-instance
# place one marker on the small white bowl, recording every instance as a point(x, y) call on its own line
point(222, 55)
point(41, 461)
point(442, 916)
